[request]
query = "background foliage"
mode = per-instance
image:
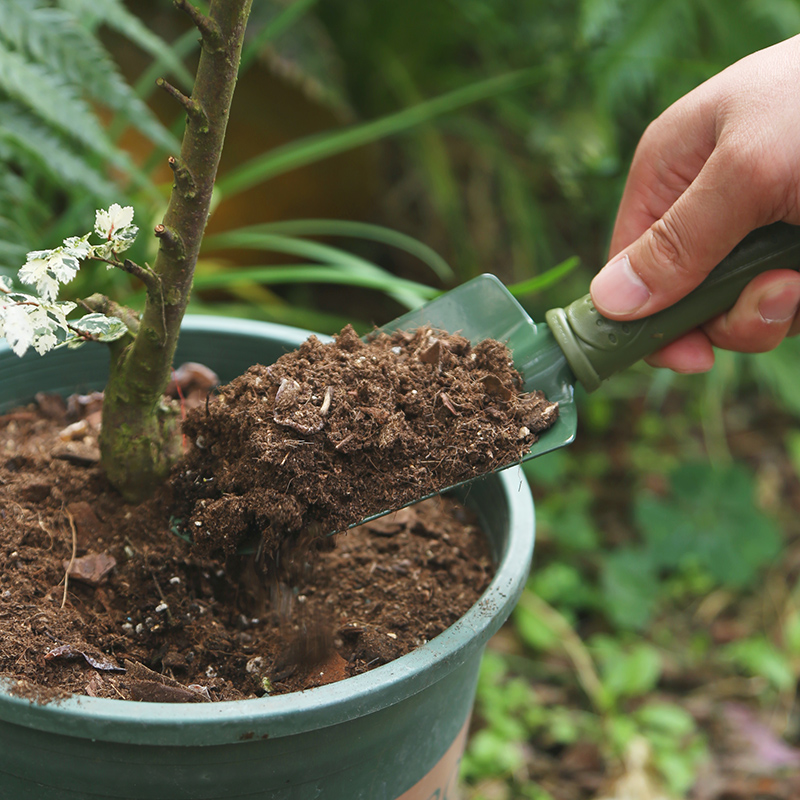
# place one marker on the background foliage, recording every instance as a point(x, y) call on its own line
point(380, 152)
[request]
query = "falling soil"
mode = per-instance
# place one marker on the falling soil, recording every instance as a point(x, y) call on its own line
point(100, 598)
point(334, 433)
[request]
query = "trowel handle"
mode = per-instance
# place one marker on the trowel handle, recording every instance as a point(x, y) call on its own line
point(596, 347)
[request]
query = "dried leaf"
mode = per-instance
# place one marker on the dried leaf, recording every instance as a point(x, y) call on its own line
point(431, 354)
point(93, 568)
point(152, 687)
point(155, 692)
point(448, 404)
point(78, 453)
point(69, 652)
point(191, 376)
point(494, 385)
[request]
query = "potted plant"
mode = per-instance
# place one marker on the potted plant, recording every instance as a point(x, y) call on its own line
point(396, 731)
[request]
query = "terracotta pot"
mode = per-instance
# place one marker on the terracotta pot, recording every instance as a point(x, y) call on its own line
point(395, 732)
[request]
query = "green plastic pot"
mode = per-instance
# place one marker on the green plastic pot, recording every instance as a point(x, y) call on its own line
point(395, 732)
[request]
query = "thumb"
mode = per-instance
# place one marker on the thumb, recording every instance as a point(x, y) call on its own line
point(678, 251)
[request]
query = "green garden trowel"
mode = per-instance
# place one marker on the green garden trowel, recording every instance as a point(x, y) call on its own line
point(578, 345)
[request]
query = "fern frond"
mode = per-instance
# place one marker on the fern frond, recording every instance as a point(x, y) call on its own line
point(52, 99)
point(22, 198)
point(22, 214)
point(647, 43)
point(52, 153)
point(741, 27)
point(116, 16)
point(54, 38)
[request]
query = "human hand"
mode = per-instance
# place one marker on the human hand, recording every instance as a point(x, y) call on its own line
point(718, 163)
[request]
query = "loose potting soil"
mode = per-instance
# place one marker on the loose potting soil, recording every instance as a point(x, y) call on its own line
point(101, 598)
point(333, 433)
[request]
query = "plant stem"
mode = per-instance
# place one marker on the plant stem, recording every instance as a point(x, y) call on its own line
point(140, 437)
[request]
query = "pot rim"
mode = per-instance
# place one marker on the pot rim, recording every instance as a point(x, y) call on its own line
point(283, 715)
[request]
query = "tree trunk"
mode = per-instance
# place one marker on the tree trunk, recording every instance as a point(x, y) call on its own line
point(140, 436)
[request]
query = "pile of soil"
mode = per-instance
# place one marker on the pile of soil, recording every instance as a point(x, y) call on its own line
point(100, 598)
point(333, 433)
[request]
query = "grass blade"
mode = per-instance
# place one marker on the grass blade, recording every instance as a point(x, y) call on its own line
point(319, 146)
point(358, 230)
point(546, 279)
point(409, 293)
point(416, 293)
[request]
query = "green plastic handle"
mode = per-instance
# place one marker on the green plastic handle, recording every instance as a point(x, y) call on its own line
point(596, 347)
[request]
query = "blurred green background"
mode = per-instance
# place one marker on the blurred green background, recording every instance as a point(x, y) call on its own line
point(380, 152)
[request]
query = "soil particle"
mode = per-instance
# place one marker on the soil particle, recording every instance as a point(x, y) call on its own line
point(333, 433)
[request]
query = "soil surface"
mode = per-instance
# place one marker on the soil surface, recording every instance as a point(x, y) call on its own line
point(101, 598)
point(332, 434)
point(142, 617)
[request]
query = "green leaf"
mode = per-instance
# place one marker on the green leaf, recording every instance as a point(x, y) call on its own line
point(621, 731)
point(54, 101)
point(630, 587)
point(413, 295)
point(410, 293)
point(116, 16)
point(349, 228)
point(655, 35)
point(491, 754)
point(51, 98)
point(563, 586)
point(777, 371)
point(53, 38)
point(631, 671)
point(710, 517)
point(100, 327)
point(534, 631)
point(758, 656)
point(282, 21)
point(666, 718)
point(680, 766)
point(52, 153)
point(569, 519)
point(541, 282)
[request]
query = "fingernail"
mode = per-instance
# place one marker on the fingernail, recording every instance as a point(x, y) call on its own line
point(617, 289)
point(780, 304)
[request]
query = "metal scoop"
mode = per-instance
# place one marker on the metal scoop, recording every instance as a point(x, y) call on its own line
point(577, 344)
